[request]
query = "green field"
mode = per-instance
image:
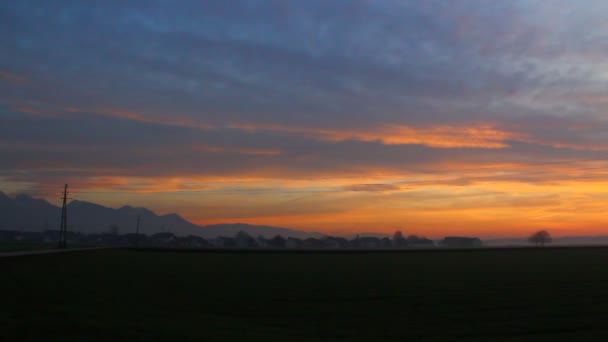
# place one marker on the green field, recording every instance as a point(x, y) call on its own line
point(510, 295)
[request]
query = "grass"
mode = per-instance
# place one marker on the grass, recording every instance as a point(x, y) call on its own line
point(12, 246)
point(499, 295)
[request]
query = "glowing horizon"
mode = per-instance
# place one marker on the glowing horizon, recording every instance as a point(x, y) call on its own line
point(436, 118)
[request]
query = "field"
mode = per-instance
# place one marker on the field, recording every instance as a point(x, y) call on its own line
point(14, 246)
point(499, 295)
point(9, 246)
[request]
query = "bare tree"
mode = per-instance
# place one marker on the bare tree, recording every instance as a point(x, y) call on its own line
point(540, 238)
point(277, 242)
point(398, 239)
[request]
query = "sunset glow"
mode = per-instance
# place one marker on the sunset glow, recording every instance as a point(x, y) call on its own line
point(433, 117)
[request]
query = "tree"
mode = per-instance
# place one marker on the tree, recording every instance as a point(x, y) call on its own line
point(398, 239)
point(244, 240)
point(385, 242)
point(277, 242)
point(540, 238)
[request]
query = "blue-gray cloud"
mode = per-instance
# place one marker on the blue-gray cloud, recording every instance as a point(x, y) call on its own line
point(527, 67)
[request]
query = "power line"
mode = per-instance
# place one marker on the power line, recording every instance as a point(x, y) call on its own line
point(137, 231)
point(63, 228)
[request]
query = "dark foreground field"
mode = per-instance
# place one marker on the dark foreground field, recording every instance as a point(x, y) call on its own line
point(25, 246)
point(468, 295)
point(9, 246)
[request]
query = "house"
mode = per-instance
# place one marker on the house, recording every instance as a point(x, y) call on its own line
point(422, 243)
point(222, 242)
point(293, 243)
point(277, 242)
point(132, 238)
point(262, 242)
point(244, 240)
point(163, 238)
point(414, 241)
point(8, 235)
point(367, 242)
point(191, 241)
point(460, 242)
point(312, 243)
point(334, 242)
point(107, 239)
point(39, 236)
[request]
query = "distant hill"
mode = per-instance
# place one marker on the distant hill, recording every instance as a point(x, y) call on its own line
point(89, 217)
point(23, 212)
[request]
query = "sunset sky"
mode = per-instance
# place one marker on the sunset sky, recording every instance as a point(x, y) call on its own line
point(485, 118)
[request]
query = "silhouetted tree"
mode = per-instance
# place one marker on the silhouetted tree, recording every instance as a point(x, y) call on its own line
point(413, 239)
point(277, 242)
point(355, 242)
point(540, 238)
point(398, 240)
point(385, 242)
point(243, 239)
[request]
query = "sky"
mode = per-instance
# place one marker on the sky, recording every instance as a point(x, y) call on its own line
point(464, 117)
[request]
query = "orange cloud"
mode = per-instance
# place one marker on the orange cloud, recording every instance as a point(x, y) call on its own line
point(57, 110)
point(136, 116)
point(481, 135)
point(442, 136)
point(486, 207)
point(245, 151)
point(372, 187)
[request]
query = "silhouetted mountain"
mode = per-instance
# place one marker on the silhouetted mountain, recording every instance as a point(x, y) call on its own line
point(89, 217)
point(231, 229)
point(23, 212)
point(26, 213)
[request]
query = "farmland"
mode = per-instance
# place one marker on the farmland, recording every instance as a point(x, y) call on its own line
point(11, 246)
point(14, 246)
point(505, 295)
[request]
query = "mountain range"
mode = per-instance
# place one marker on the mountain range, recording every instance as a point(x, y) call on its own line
point(23, 212)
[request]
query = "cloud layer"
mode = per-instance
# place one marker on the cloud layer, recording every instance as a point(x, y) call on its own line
point(331, 104)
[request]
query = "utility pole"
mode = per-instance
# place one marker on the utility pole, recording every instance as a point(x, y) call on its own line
point(63, 228)
point(137, 231)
